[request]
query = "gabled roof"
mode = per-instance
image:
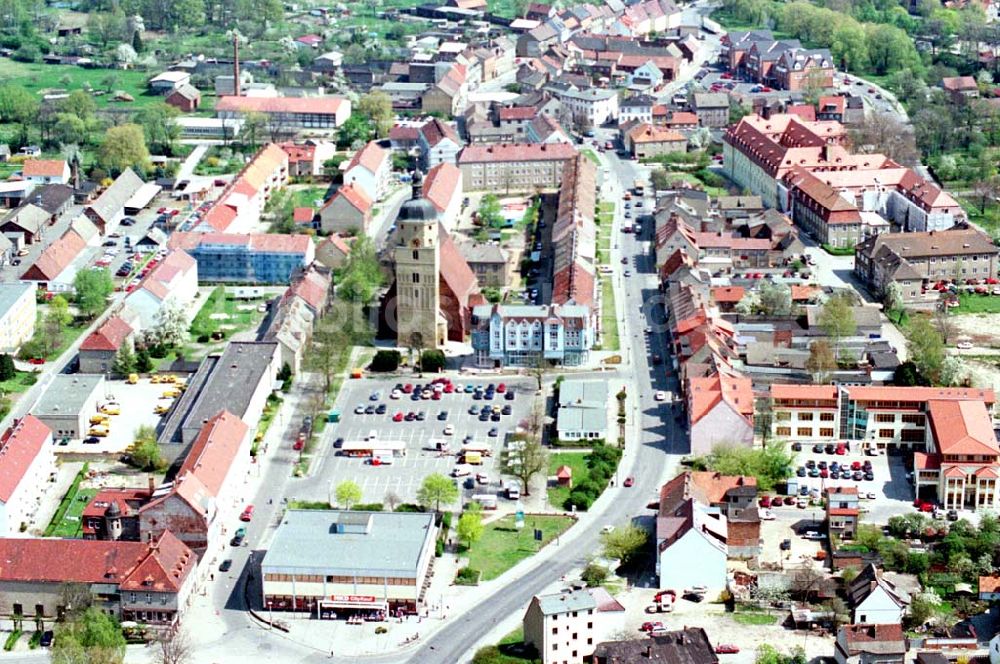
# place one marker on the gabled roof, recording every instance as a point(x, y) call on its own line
point(867, 582)
point(313, 105)
point(708, 392)
point(371, 157)
point(440, 185)
point(214, 450)
point(44, 168)
point(962, 427)
point(109, 336)
point(354, 195)
point(113, 199)
point(164, 568)
point(55, 258)
point(436, 131)
point(19, 447)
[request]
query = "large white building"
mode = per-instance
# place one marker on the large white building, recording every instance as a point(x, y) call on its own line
point(369, 170)
point(566, 627)
point(26, 466)
point(592, 107)
point(522, 335)
point(17, 315)
point(583, 410)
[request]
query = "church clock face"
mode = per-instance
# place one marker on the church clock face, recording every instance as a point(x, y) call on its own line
point(416, 242)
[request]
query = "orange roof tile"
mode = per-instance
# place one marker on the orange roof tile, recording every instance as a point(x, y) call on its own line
point(19, 447)
point(440, 185)
point(707, 392)
point(371, 157)
point(962, 427)
point(50, 168)
point(109, 336)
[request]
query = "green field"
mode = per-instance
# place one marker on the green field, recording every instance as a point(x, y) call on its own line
point(308, 196)
point(218, 303)
point(19, 383)
point(609, 317)
point(39, 78)
point(502, 546)
point(977, 304)
point(575, 460)
point(591, 155)
point(69, 524)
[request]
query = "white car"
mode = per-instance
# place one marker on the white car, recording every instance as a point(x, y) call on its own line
point(449, 430)
point(870, 495)
point(395, 394)
point(607, 529)
point(359, 410)
point(660, 395)
point(812, 535)
point(964, 345)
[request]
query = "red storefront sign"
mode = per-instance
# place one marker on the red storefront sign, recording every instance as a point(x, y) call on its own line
point(352, 598)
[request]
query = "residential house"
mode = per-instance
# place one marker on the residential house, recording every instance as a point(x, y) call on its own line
point(67, 404)
point(874, 599)
point(989, 588)
point(289, 113)
point(720, 410)
point(257, 258)
point(582, 410)
point(349, 210)
point(148, 582)
point(514, 167)
point(843, 513)
point(913, 260)
point(690, 645)
point(113, 514)
point(447, 95)
point(333, 251)
point(98, 351)
point(308, 159)
point(712, 108)
point(564, 627)
point(492, 263)
point(545, 129)
point(960, 88)
point(590, 107)
point(172, 284)
point(443, 188)
point(45, 171)
point(54, 260)
point(517, 335)
point(870, 643)
point(208, 490)
point(55, 199)
point(637, 107)
point(645, 141)
point(28, 220)
point(185, 98)
point(439, 143)
point(291, 322)
point(239, 206)
point(17, 315)
point(27, 465)
point(369, 170)
point(108, 209)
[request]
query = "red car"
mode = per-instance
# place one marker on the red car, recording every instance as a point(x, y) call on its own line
point(501, 388)
point(629, 481)
point(247, 513)
point(174, 213)
point(398, 417)
point(408, 388)
point(161, 210)
point(449, 388)
point(765, 501)
point(36, 360)
point(649, 626)
point(726, 649)
point(926, 507)
point(856, 465)
point(841, 450)
point(299, 444)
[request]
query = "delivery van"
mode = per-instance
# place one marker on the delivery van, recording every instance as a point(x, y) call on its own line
point(98, 418)
point(474, 458)
point(99, 430)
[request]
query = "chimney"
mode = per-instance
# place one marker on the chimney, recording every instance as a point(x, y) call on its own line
point(152, 484)
point(236, 65)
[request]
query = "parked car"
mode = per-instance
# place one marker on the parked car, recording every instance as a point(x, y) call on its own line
point(226, 565)
point(247, 514)
point(629, 481)
point(726, 649)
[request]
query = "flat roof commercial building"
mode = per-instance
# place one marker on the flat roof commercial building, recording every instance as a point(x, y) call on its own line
point(332, 561)
point(69, 402)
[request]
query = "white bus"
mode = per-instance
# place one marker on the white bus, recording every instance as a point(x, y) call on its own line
point(487, 500)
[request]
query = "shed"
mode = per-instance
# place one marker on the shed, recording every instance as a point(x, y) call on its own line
point(564, 476)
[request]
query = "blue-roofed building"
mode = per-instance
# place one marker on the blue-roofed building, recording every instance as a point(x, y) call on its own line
point(257, 258)
point(333, 561)
point(521, 335)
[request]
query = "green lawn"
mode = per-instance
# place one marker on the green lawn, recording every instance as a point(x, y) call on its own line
point(575, 460)
point(977, 304)
point(39, 77)
point(307, 197)
point(239, 317)
point(502, 546)
point(71, 525)
point(19, 383)
point(609, 316)
point(591, 155)
point(754, 618)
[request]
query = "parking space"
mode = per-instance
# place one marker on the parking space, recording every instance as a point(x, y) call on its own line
point(417, 426)
point(136, 405)
point(820, 466)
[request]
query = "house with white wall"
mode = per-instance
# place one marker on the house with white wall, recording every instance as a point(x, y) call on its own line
point(875, 599)
point(370, 169)
point(26, 465)
point(565, 627)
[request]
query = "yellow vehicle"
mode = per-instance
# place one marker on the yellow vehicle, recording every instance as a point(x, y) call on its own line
point(133, 379)
point(154, 379)
point(111, 408)
point(172, 393)
point(99, 430)
point(161, 408)
point(168, 378)
point(474, 458)
point(497, 410)
point(98, 418)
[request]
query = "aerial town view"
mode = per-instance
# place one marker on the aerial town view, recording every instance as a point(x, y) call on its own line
point(500, 332)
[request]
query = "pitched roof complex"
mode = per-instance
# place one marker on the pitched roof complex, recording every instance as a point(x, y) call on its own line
point(19, 446)
point(440, 185)
point(109, 336)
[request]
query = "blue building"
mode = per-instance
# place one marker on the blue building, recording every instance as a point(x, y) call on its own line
point(260, 258)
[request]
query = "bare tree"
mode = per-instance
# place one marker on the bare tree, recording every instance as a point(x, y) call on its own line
point(524, 459)
point(943, 323)
point(75, 598)
point(391, 501)
point(806, 581)
point(174, 647)
point(986, 190)
point(883, 133)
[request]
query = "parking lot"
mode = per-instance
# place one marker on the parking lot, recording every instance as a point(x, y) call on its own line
point(137, 403)
point(419, 438)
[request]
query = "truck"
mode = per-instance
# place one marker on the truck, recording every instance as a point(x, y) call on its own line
point(474, 458)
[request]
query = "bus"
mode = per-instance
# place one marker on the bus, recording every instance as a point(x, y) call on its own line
point(369, 448)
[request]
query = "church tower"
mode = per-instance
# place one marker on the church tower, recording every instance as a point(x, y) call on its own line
point(418, 264)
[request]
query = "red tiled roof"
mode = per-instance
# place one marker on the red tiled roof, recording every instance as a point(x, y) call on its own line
point(280, 244)
point(517, 113)
point(56, 257)
point(371, 157)
point(869, 633)
point(843, 511)
point(303, 215)
point(265, 242)
point(455, 271)
point(708, 392)
point(356, 196)
point(804, 111)
point(97, 561)
point(123, 498)
point(814, 392)
point(19, 447)
point(989, 584)
point(314, 105)
point(313, 288)
point(50, 168)
point(436, 131)
point(959, 83)
point(404, 133)
point(516, 152)
point(108, 336)
point(680, 118)
point(298, 153)
point(337, 242)
point(440, 185)
point(212, 453)
point(647, 133)
point(962, 427)
point(729, 294)
point(803, 293)
point(161, 279)
point(564, 472)
point(919, 394)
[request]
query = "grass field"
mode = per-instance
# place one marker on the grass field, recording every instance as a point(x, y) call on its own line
point(204, 324)
point(575, 460)
point(754, 618)
point(502, 546)
point(308, 196)
point(39, 77)
point(69, 524)
point(977, 304)
point(19, 383)
point(609, 316)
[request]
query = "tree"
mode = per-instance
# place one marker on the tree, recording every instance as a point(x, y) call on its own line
point(525, 459)
point(159, 126)
point(7, 369)
point(769, 465)
point(361, 276)
point(892, 296)
point(432, 361)
point(848, 47)
point(254, 129)
point(355, 132)
point(837, 319)
point(386, 360)
point(376, 106)
point(124, 147)
point(328, 343)
point(768, 654)
point(57, 317)
point(94, 637)
point(624, 542)
point(985, 191)
point(926, 348)
point(470, 528)
point(437, 490)
point(173, 645)
point(348, 494)
point(93, 286)
point(79, 103)
point(69, 128)
point(775, 299)
point(488, 212)
point(143, 362)
point(883, 133)
point(125, 361)
point(821, 360)
point(18, 106)
point(594, 575)
point(171, 326)
point(137, 44)
point(145, 450)
point(391, 500)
